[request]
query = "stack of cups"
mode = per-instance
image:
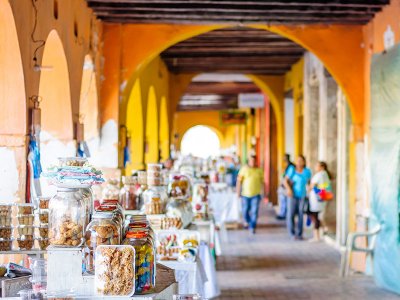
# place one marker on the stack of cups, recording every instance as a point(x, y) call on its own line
point(25, 226)
point(154, 175)
point(6, 239)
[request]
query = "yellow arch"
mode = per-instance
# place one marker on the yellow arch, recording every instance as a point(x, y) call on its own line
point(219, 134)
point(135, 128)
point(152, 128)
point(164, 129)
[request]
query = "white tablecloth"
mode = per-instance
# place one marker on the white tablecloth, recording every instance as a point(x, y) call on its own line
point(199, 277)
point(225, 204)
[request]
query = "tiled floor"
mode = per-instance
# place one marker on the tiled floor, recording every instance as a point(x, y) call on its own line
point(269, 265)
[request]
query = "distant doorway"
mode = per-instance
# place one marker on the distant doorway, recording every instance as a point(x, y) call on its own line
point(200, 141)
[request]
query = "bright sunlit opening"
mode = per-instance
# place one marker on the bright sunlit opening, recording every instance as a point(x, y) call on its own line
point(200, 141)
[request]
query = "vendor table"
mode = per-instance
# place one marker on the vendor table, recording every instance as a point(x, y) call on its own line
point(199, 277)
point(225, 204)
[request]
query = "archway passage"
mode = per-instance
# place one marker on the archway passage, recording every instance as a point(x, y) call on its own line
point(56, 136)
point(201, 141)
point(13, 127)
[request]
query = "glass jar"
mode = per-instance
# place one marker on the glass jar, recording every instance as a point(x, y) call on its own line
point(116, 212)
point(111, 191)
point(179, 186)
point(67, 219)
point(102, 230)
point(134, 222)
point(88, 200)
point(155, 199)
point(145, 263)
point(128, 198)
point(142, 177)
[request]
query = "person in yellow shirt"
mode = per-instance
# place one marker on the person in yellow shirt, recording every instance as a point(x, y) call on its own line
point(249, 187)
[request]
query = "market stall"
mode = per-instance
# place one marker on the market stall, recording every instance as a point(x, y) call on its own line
point(81, 237)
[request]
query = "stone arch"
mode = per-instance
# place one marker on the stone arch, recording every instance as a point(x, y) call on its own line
point(152, 128)
point(89, 102)
point(56, 137)
point(13, 113)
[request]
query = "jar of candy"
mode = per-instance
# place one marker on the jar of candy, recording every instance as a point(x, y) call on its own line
point(116, 212)
point(134, 222)
point(145, 263)
point(128, 198)
point(67, 217)
point(102, 230)
point(179, 186)
point(155, 199)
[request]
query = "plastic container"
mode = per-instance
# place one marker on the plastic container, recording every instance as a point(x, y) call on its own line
point(44, 202)
point(115, 260)
point(6, 244)
point(71, 161)
point(111, 191)
point(25, 209)
point(67, 218)
point(43, 216)
point(43, 243)
point(142, 177)
point(145, 261)
point(103, 230)
point(31, 294)
point(5, 232)
point(25, 219)
point(180, 208)
point(5, 210)
point(5, 220)
point(154, 167)
point(155, 200)
point(154, 181)
point(43, 230)
point(25, 230)
point(39, 274)
point(168, 245)
point(25, 242)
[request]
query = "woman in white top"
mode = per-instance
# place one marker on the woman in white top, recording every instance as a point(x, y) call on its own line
point(321, 179)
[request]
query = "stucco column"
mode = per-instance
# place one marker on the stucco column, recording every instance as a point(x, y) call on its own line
point(311, 109)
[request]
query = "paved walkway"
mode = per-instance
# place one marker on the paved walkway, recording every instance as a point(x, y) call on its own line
point(269, 265)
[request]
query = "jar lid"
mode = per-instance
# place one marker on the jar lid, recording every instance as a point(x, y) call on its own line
point(6, 240)
point(103, 215)
point(139, 234)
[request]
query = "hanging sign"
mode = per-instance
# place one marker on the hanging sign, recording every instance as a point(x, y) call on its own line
point(232, 118)
point(251, 100)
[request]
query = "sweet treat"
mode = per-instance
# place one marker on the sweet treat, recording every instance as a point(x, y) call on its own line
point(5, 220)
point(115, 270)
point(167, 247)
point(6, 244)
point(44, 231)
point(44, 202)
point(72, 162)
point(25, 243)
point(5, 232)
point(67, 234)
point(5, 210)
point(25, 209)
point(25, 230)
point(43, 243)
point(44, 216)
point(154, 167)
point(169, 223)
point(25, 219)
point(179, 186)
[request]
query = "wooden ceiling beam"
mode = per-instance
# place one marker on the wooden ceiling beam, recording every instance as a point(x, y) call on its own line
point(323, 3)
point(203, 88)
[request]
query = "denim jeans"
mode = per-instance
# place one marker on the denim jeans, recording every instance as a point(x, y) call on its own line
point(295, 207)
point(283, 199)
point(250, 207)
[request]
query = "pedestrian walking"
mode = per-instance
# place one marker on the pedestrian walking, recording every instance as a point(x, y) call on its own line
point(250, 188)
point(320, 193)
point(296, 184)
point(282, 191)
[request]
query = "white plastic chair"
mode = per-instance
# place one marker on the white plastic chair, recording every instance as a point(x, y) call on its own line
point(352, 247)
